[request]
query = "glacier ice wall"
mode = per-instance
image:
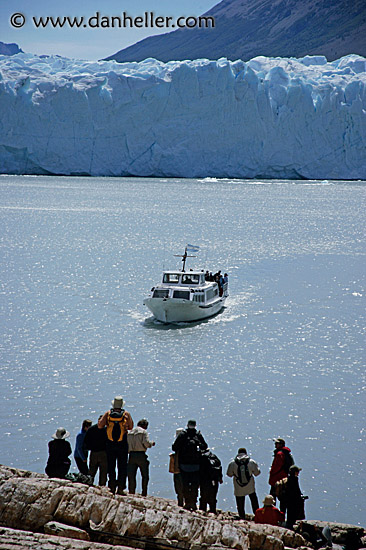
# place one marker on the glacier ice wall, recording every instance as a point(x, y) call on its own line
point(269, 117)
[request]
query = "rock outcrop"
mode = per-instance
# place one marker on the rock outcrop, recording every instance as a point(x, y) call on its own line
point(34, 503)
point(11, 539)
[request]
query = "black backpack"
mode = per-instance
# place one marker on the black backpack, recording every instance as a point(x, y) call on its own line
point(289, 460)
point(192, 447)
point(243, 476)
point(211, 464)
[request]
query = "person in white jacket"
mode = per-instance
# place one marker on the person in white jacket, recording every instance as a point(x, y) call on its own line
point(138, 443)
point(243, 469)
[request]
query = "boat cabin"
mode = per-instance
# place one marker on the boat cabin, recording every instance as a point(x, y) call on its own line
point(183, 278)
point(186, 285)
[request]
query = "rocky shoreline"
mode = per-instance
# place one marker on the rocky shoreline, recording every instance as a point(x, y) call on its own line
point(42, 513)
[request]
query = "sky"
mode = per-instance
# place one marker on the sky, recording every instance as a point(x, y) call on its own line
point(85, 42)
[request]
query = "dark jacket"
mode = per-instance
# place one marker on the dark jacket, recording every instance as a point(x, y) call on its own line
point(58, 463)
point(59, 452)
point(80, 450)
point(95, 439)
point(210, 468)
point(188, 446)
point(293, 499)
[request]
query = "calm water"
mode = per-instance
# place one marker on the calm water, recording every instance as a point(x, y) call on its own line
point(285, 358)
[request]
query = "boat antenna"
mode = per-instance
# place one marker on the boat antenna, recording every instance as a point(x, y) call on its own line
point(185, 255)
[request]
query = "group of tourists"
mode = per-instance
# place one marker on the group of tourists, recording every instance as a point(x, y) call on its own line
point(117, 449)
point(218, 278)
point(197, 469)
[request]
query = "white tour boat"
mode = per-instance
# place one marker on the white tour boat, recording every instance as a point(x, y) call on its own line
point(185, 296)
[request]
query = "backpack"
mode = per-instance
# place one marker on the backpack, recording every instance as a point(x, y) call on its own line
point(191, 451)
point(211, 464)
point(80, 478)
point(289, 460)
point(243, 476)
point(116, 425)
point(280, 488)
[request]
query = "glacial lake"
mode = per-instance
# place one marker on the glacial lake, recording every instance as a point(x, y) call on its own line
point(284, 358)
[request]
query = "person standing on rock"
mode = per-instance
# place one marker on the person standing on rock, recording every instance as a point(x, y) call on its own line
point(96, 442)
point(177, 476)
point(138, 443)
point(189, 445)
point(282, 460)
point(59, 449)
point(294, 498)
point(210, 476)
point(243, 469)
point(117, 422)
point(80, 452)
point(269, 514)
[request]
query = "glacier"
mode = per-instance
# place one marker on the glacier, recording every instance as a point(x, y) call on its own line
point(265, 118)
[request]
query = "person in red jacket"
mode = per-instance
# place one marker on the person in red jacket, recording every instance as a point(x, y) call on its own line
point(280, 466)
point(269, 513)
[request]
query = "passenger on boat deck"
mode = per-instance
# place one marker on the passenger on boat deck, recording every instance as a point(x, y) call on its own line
point(207, 276)
point(226, 278)
point(217, 276)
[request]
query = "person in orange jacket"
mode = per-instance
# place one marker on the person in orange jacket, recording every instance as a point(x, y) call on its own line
point(117, 422)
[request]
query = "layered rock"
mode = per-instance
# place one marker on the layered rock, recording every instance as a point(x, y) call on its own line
point(32, 502)
point(11, 539)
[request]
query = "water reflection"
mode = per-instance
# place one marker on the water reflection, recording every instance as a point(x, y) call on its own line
point(284, 358)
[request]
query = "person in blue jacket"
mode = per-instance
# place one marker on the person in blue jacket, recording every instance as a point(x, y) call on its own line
point(80, 452)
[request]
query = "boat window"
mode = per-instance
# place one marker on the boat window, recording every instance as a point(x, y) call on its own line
point(172, 278)
point(211, 293)
point(190, 279)
point(181, 294)
point(161, 293)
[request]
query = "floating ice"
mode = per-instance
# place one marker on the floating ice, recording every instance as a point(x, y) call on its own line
point(269, 117)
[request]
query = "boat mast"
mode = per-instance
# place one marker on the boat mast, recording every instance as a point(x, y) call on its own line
point(184, 257)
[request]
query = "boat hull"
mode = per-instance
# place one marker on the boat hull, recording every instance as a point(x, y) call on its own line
point(167, 310)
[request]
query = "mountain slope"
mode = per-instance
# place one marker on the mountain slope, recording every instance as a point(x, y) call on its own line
point(247, 28)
